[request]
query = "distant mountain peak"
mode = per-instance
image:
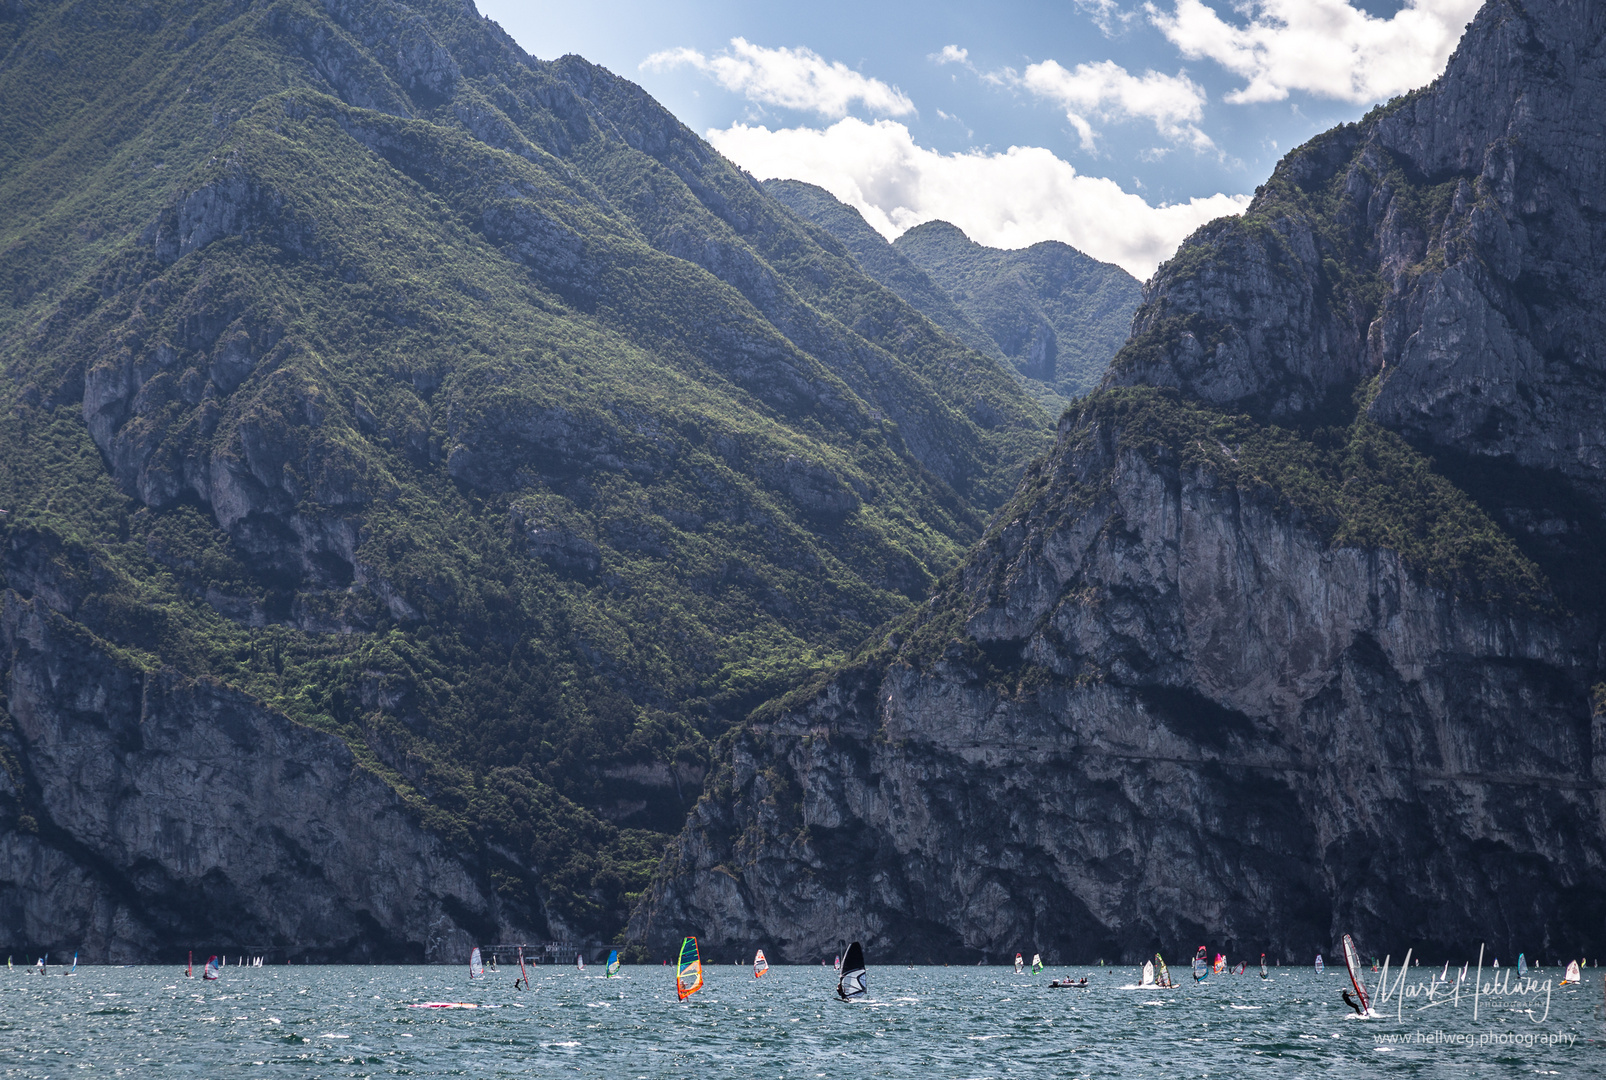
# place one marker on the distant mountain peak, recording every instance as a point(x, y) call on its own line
point(1053, 314)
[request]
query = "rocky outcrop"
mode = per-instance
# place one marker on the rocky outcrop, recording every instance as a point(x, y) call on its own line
point(1173, 714)
point(1213, 680)
point(1450, 242)
point(146, 813)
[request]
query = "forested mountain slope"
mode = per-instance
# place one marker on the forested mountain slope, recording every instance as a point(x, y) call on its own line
point(1053, 314)
point(1296, 632)
point(415, 453)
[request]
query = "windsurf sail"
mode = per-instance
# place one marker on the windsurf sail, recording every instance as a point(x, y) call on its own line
point(523, 982)
point(210, 971)
point(1201, 969)
point(1147, 978)
point(476, 964)
point(1263, 973)
point(837, 963)
point(613, 963)
point(851, 984)
point(1319, 964)
point(1573, 974)
point(1037, 963)
point(189, 968)
point(1352, 961)
point(1522, 965)
point(579, 962)
point(1020, 965)
point(1220, 965)
point(74, 969)
point(688, 970)
point(760, 965)
point(1162, 974)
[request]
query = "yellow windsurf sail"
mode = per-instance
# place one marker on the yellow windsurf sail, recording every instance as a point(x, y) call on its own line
point(688, 970)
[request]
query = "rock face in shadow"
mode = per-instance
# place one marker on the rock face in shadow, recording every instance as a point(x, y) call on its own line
point(148, 814)
point(1241, 664)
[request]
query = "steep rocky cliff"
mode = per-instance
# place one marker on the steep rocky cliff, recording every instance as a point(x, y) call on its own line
point(144, 811)
point(1295, 631)
point(380, 387)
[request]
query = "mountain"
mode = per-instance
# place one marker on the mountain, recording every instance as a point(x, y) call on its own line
point(1059, 315)
point(1297, 630)
point(416, 455)
point(1055, 315)
point(882, 260)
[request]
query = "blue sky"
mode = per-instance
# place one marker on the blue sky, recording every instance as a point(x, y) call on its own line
point(1116, 125)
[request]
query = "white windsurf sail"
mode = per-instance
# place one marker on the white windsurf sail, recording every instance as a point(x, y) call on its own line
point(1319, 964)
point(579, 962)
point(476, 964)
point(852, 982)
point(1147, 978)
point(760, 965)
point(1020, 965)
point(1522, 965)
point(1263, 973)
point(1037, 963)
point(1573, 974)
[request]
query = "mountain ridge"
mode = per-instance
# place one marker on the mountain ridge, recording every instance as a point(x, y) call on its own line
point(369, 376)
point(1021, 307)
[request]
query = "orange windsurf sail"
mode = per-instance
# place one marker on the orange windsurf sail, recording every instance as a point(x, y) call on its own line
point(688, 970)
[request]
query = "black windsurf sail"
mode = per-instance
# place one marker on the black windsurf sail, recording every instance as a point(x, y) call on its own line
point(851, 984)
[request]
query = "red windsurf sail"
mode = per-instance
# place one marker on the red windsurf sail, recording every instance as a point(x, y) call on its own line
point(1352, 961)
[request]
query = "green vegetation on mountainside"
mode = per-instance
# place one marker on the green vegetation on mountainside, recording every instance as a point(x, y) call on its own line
point(1054, 315)
point(1059, 315)
point(1356, 485)
point(462, 405)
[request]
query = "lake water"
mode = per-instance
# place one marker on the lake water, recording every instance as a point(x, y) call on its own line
point(918, 1022)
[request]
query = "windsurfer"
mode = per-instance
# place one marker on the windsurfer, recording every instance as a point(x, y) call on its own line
point(1352, 1003)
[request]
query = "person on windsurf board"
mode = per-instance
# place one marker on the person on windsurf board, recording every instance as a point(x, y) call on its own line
point(851, 984)
point(1361, 1003)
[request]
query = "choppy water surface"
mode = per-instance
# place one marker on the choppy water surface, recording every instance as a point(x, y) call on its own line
point(919, 1022)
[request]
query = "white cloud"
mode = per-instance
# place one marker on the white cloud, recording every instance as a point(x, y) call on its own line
point(791, 78)
point(951, 54)
point(1011, 199)
point(1107, 15)
point(1323, 47)
point(1175, 103)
